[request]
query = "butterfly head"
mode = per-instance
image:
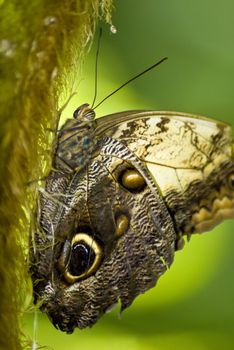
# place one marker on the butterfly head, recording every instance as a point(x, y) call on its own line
point(84, 112)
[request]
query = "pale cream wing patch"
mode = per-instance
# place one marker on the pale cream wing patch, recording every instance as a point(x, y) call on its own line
point(177, 148)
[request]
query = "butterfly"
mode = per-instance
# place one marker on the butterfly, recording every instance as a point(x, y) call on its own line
point(123, 192)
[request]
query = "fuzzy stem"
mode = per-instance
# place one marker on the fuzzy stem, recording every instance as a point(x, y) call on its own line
point(40, 43)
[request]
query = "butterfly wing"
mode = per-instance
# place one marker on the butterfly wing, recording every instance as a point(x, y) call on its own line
point(189, 158)
point(107, 232)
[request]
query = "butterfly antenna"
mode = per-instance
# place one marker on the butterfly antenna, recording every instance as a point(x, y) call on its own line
point(130, 80)
point(96, 67)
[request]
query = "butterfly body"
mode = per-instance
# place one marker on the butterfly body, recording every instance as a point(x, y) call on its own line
point(76, 141)
point(125, 189)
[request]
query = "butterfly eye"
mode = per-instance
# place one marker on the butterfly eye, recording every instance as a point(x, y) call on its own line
point(85, 258)
point(80, 110)
point(85, 112)
point(231, 181)
point(132, 180)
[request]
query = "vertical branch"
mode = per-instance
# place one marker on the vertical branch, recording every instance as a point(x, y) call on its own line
point(39, 45)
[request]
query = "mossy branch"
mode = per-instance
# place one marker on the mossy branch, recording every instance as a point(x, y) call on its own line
point(41, 42)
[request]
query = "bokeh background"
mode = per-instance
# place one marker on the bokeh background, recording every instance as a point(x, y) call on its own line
point(193, 304)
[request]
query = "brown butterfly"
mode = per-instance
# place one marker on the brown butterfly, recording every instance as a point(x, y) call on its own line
point(123, 192)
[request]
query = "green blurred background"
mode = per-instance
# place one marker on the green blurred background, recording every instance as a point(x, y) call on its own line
point(193, 304)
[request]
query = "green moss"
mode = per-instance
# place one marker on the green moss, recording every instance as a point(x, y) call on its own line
point(41, 43)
